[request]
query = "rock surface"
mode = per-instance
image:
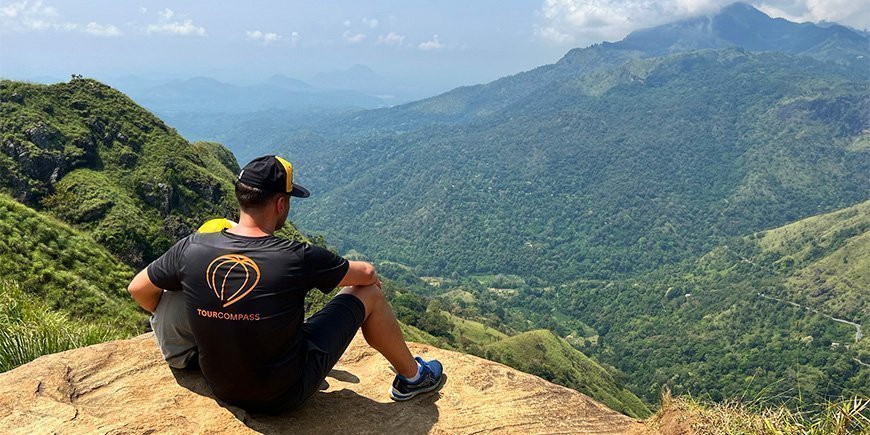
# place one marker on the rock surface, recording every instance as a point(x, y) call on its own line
point(124, 386)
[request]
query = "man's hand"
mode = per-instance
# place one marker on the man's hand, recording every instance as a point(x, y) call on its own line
point(146, 294)
point(360, 273)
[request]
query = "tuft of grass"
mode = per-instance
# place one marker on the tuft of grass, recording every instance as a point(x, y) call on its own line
point(688, 414)
point(30, 329)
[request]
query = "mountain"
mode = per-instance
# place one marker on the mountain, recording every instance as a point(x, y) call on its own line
point(741, 25)
point(90, 156)
point(288, 83)
point(356, 77)
point(50, 265)
point(90, 389)
point(615, 170)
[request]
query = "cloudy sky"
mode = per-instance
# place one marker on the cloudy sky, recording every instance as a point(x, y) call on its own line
point(444, 43)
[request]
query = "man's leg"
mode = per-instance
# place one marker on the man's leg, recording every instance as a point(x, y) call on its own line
point(172, 330)
point(381, 329)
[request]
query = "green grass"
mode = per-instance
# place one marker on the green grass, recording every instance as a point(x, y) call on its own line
point(30, 328)
point(544, 354)
point(64, 268)
point(825, 259)
point(844, 417)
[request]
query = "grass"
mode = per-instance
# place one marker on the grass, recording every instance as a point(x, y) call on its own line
point(546, 355)
point(29, 329)
point(686, 414)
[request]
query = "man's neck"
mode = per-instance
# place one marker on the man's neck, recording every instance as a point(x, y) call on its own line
point(249, 227)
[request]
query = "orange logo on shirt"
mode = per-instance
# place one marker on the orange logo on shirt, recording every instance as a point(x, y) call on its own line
point(219, 271)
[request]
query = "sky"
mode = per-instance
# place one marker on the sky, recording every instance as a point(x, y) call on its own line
point(440, 44)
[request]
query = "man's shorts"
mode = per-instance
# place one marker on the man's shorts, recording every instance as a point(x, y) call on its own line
point(327, 333)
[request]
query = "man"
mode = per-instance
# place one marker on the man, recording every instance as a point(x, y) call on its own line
point(243, 305)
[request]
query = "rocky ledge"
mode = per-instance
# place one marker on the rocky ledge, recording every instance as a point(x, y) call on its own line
point(124, 386)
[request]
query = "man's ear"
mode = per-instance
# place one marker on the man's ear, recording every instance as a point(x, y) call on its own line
point(282, 204)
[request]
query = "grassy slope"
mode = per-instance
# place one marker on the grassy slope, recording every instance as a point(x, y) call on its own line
point(64, 268)
point(59, 289)
point(94, 158)
point(826, 259)
point(544, 354)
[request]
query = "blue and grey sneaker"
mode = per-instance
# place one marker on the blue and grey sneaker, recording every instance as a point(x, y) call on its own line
point(431, 379)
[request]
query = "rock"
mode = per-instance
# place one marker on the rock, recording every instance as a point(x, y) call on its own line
point(124, 386)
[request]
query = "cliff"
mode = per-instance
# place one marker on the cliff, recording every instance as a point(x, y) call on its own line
point(124, 386)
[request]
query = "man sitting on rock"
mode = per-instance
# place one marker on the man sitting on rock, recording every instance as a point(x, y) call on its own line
point(234, 303)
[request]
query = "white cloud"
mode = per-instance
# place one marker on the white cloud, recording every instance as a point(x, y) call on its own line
point(587, 21)
point(181, 28)
point(101, 30)
point(391, 38)
point(848, 12)
point(143, 9)
point(432, 44)
point(353, 38)
point(25, 16)
point(346, 23)
point(265, 37)
point(371, 22)
point(166, 14)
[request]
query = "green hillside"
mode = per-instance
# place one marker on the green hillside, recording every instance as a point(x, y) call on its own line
point(709, 327)
point(64, 268)
point(89, 155)
point(59, 288)
point(825, 259)
point(550, 357)
point(598, 171)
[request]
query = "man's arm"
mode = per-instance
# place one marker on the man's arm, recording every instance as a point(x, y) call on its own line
point(146, 294)
point(360, 273)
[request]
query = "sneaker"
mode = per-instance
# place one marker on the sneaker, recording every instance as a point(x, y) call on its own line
point(431, 379)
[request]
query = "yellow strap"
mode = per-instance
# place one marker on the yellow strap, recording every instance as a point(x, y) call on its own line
point(216, 225)
point(288, 168)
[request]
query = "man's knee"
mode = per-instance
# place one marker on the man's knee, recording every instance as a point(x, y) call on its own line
point(371, 296)
point(172, 330)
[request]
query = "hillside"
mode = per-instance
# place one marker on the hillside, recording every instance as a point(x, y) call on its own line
point(825, 260)
point(713, 327)
point(608, 163)
point(435, 321)
point(124, 386)
point(550, 357)
point(89, 155)
point(64, 268)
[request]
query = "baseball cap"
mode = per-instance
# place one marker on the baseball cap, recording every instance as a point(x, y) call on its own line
point(273, 174)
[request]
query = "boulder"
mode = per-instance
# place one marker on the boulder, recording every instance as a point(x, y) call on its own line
point(125, 387)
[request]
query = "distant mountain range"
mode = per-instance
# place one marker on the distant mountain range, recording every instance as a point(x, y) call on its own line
point(610, 161)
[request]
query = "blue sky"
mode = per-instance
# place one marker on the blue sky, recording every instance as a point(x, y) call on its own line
point(444, 43)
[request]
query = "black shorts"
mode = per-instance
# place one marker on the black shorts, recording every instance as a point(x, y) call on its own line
point(328, 332)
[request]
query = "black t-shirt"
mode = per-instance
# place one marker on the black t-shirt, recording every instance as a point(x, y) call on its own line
point(245, 301)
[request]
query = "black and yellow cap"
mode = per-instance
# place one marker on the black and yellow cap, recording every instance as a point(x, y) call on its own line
point(273, 174)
